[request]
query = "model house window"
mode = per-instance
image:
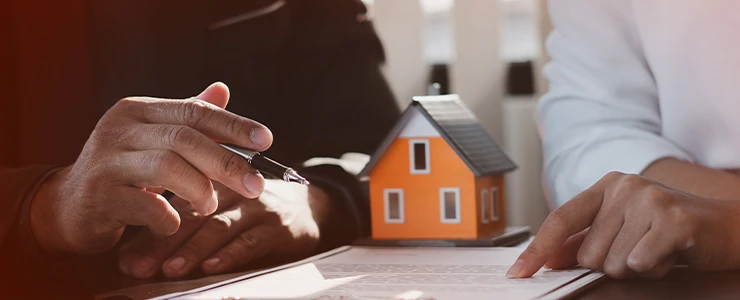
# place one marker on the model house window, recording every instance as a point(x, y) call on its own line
point(484, 210)
point(393, 206)
point(449, 200)
point(494, 204)
point(419, 156)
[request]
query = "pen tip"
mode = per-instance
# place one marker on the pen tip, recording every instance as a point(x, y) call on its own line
point(292, 176)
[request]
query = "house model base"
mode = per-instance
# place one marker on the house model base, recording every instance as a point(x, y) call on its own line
point(511, 236)
point(437, 176)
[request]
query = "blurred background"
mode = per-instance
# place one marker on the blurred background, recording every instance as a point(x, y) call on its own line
point(72, 60)
point(490, 53)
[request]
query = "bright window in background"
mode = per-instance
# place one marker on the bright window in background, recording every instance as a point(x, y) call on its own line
point(519, 29)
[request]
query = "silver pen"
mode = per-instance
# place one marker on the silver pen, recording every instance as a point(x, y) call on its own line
point(267, 165)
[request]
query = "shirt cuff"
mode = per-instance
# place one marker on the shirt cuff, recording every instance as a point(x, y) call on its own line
point(569, 177)
point(338, 178)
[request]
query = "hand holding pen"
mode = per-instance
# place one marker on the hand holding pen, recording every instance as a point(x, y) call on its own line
point(139, 146)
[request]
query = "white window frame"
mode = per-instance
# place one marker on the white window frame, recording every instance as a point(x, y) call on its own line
point(484, 206)
point(442, 192)
point(412, 156)
point(386, 206)
point(494, 204)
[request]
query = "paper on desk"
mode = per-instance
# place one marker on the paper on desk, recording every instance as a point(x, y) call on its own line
point(401, 273)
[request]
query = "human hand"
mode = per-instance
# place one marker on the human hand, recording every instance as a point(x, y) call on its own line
point(140, 145)
point(280, 224)
point(629, 226)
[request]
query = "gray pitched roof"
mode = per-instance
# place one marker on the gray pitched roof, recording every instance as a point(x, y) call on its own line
point(459, 128)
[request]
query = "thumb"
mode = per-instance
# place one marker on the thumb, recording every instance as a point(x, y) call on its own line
point(216, 94)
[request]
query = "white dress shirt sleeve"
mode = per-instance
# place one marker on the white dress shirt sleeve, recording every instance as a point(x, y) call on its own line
point(601, 112)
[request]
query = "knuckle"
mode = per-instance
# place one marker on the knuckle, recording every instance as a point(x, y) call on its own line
point(167, 162)
point(587, 260)
point(230, 254)
point(556, 220)
point(533, 250)
point(237, 126)
point(638, 265)
point(616, 267)
point(632, 181)
point(160, 214)
point(191, 248)
point(182, 136)
point(232, 165)
point(616, 271)
point(195, 112)
point(189, 216)
point(247, 240)
point(126, 103)
point(219, 224)
point(613, 175)
point(657, 198)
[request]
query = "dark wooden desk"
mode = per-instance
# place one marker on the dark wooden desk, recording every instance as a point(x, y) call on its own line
point(680, 283)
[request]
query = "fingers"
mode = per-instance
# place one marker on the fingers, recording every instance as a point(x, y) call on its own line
point(615, 264)
point(207, 156)
point(216, 94)
point(143, 255)
point(600, 237)
point(164, 168)
point(650, 252)
point(249, 246)
point(215, 232)
point(200, 115)
point(571, 218)
point(568, 255)
point(138, 207)
point(661, 269)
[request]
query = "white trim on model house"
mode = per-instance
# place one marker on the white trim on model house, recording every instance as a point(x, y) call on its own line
point(484, 206)
point(400, 209)
point(413, 155)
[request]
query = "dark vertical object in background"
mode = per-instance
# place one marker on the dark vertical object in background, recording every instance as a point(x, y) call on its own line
point(440, 75)
point(520, 79)
point(8, 85)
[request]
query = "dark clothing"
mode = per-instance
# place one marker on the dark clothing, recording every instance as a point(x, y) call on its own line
point(309, 70)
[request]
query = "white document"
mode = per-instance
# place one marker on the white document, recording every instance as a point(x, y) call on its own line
point(399, 273)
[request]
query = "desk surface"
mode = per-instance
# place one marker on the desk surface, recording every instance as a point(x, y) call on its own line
point(680, 283)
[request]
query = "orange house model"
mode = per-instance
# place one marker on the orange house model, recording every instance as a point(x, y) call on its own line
point(438, 175)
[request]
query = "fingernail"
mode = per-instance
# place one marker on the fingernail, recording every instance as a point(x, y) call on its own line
point(212, 206)
point(261, 137)
point(212, 263)
point(145, 265)
point(255, 183)
point(515, 270)
point(176, 264)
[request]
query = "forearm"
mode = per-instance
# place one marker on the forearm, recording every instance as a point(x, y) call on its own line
point(33, 267)
point(694, 179)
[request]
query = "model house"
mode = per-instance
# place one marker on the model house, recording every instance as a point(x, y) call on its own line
point(437, 175)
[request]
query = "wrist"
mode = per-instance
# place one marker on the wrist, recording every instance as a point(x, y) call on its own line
point(44, 215)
